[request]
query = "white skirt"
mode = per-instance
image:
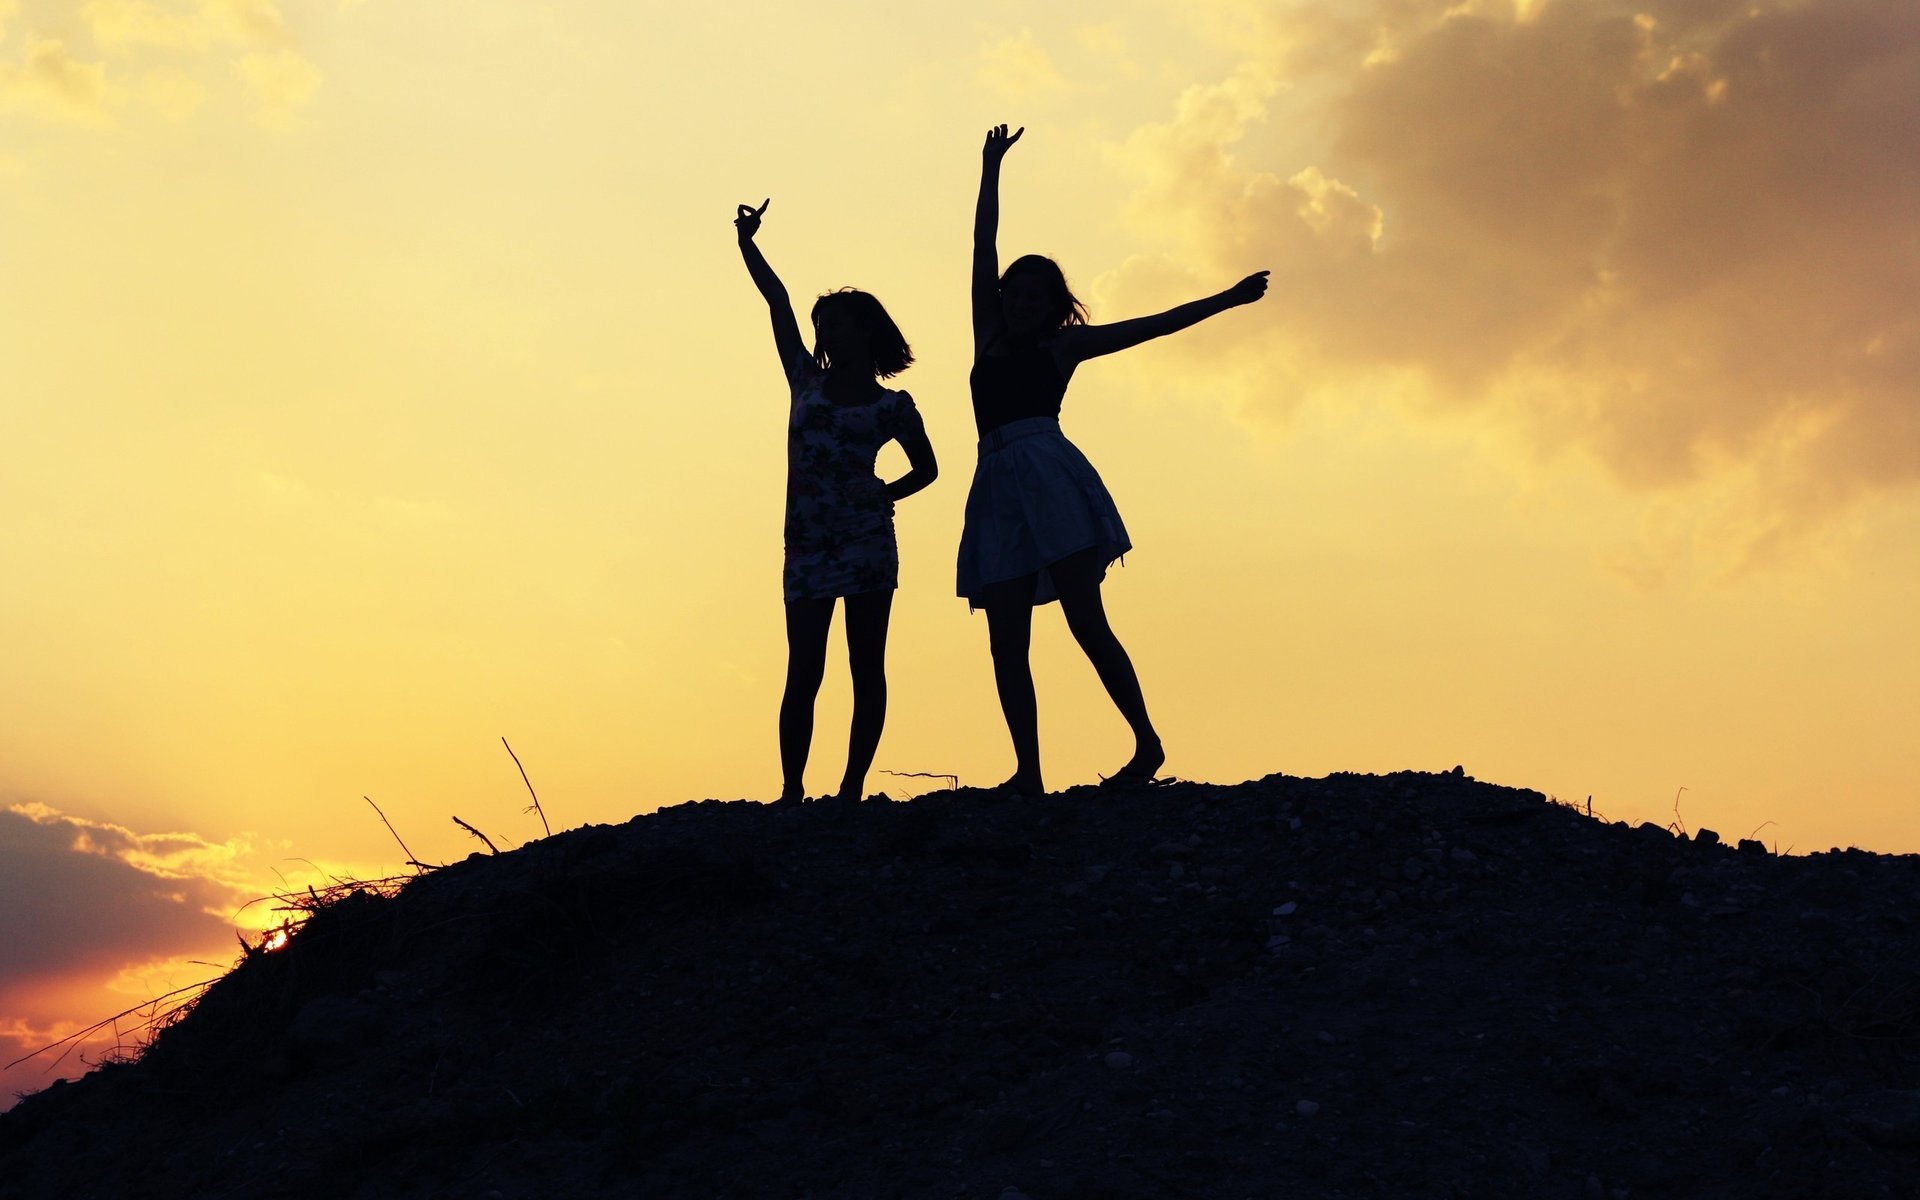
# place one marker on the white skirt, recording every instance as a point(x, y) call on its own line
point(1035, 500)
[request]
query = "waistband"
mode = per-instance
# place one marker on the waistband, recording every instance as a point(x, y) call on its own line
point(1013, 431)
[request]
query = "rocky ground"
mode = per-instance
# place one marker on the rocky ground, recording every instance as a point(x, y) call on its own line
point(1403, 986)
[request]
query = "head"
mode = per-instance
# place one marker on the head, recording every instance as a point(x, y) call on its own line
point(1035, 299)
point(850, 326)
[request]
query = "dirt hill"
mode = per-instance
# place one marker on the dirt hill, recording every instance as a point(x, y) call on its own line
point(1409, 985)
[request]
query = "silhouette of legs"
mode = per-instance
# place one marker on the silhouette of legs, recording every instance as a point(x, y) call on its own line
point(1009, 608)
point(867, 616)
point(1078, 579)
point(807, 625)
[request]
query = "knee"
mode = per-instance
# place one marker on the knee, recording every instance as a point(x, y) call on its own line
point(869, 680)
point(804, 673)
point(1008, 648)
point(1091, 630)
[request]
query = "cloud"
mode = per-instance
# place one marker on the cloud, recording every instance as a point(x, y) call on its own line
point(125, 23)
point(1019, 69)
point(51, 81)
point(100, 917)
point(282, 82)
point(1681, 237)
point(254, 20)
point(87, 896)
point(162, 42)
point(118, 24)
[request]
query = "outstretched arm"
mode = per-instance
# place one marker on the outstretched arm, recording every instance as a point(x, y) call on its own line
point(986, 231)
point(1077, 343)
point(786, 330)
point(921, 467)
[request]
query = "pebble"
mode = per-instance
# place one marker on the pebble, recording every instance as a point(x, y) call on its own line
point(1287, 909)
point(1306, 1108)
point(1119, 1060)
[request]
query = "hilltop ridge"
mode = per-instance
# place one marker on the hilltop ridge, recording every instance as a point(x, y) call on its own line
point(1403, 985)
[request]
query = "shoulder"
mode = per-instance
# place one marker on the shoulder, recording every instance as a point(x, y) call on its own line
point(801, 369)
point(899, 412)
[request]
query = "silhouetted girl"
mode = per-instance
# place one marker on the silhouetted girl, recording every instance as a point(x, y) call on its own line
point(839, 529)
point(1039, 522)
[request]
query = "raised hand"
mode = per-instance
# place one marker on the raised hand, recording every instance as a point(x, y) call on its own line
point(999, 141)
point(747, 220)
point(1247, 290)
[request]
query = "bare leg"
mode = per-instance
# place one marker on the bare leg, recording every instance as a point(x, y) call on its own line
point(1078, 578)
point(807, 625)
point(867, 616)
point(1009, 608)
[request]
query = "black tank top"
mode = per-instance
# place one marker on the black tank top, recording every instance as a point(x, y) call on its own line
point(1012, 387)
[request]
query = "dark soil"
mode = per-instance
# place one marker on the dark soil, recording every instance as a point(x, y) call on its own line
point(1360, 986)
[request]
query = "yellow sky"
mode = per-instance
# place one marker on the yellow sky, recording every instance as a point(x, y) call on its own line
point(381, 379)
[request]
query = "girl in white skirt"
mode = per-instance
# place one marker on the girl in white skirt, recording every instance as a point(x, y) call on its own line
point(839, 526)
point(1039, 523)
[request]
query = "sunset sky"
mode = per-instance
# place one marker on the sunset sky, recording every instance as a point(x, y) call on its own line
point(381, 378)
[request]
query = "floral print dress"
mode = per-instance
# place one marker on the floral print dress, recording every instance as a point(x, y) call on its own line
point(839, 520)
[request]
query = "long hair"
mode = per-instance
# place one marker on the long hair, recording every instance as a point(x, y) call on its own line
point(891, 354)
point(1065, 308)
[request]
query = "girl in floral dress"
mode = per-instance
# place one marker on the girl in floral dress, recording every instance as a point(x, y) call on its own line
point(839, 527)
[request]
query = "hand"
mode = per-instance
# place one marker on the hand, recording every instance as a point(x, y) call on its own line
point(747, 221)
point(999, 142)
point(1247, 290)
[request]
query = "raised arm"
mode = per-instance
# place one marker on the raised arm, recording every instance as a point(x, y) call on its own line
point(987, 317)
point(786, 330)
point(1078, 343)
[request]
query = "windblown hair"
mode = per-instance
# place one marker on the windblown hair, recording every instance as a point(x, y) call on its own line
point(1066, 308)
point(891, 354)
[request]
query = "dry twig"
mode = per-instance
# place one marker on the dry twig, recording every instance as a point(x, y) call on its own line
point(953, 781)
point(475, 832)
point(411, 860)
point(535, 806)
point(155, 1016)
